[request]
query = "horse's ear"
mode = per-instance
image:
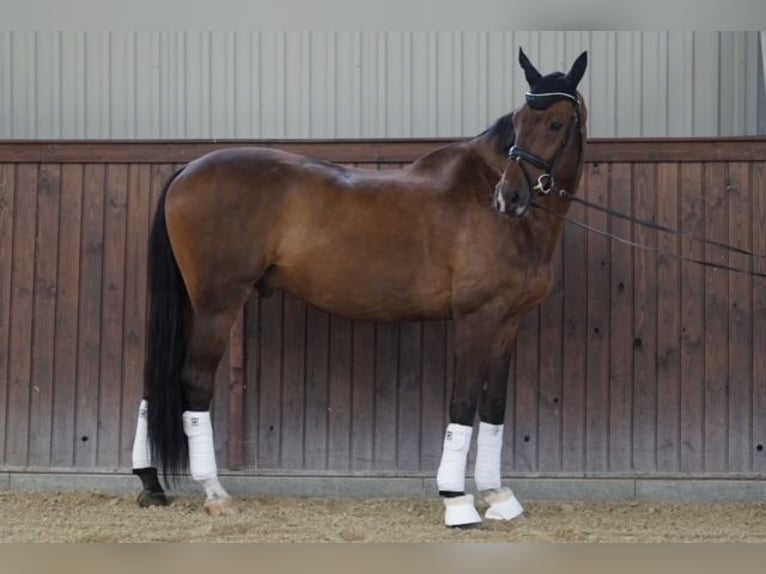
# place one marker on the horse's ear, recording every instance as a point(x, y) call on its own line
point(530, 71)
point(578, 70)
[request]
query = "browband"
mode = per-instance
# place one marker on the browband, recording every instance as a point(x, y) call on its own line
point(543, 100)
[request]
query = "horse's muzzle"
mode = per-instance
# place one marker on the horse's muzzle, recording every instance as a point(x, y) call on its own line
point(512, 203)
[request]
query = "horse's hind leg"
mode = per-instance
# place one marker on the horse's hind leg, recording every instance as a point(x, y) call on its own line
point(152, 493)
point(208, 338)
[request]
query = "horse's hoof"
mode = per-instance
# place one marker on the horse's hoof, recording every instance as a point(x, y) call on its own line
point(460, 512)
point(503, 505)
point(147, 498)
point(220, 507)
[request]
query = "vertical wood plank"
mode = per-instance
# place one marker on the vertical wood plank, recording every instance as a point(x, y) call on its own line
point(574, 349)
point(386, 373)
point(599, 271)
point(438, 374)
point(22, 309)
point(409, 396)
point(251, 415)
point(523, 409)
point(43, 350)
point(692, 319)
point(363, 396)
point(621, 324)
point(340, 394)
point(293, 383)
point(716, 323)
point(219, 407)
point(134, 334)
point(645, 323)
point(270, 391)
point(669, 323)
point(317, 388)
point(740, 318)
point(112, 316)
point(7, 193)
point(551, 338)
point(67, 316)
point(89, 329)
point(160, 175)
point(758, 389)
point(236, 391)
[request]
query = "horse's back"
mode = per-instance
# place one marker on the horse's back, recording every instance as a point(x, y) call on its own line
point(267, 165)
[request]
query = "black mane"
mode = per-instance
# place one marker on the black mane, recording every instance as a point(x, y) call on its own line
point(502, 133)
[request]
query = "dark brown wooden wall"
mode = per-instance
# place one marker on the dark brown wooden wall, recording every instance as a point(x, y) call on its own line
point(635, 364)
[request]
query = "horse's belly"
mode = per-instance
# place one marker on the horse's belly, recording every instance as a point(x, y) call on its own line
point(368, 291)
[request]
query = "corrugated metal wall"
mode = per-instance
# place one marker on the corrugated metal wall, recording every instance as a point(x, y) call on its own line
point(355, 84)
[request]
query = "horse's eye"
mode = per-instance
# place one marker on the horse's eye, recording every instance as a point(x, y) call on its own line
point(556, 126)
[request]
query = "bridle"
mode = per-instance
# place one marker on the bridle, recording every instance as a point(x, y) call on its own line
point(545, 185)
point(546, 182)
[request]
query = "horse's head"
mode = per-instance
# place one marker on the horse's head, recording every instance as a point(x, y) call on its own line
point(547, 154)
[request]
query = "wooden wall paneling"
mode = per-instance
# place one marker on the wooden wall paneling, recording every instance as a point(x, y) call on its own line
point(668, 322)
point(44, 319)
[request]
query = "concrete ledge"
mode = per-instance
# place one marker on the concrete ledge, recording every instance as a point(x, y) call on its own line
point(543, 488)
point(106, 483)
point(701, 490)
point(350, 487)
point(574, 489)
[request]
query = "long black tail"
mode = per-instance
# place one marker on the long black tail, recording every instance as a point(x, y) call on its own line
point(169, 314)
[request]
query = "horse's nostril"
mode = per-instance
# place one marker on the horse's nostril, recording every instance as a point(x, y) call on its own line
point(515, 197)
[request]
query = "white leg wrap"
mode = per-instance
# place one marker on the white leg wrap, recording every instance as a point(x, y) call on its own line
point(142, 456)
point(489, 444)
point(451, 474)
point(199, 431)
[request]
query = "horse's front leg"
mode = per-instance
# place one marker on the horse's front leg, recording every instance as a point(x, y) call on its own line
point(474, 334)
point(503, 505)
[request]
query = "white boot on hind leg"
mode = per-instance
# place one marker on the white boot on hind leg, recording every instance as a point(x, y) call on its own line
point(199, 430)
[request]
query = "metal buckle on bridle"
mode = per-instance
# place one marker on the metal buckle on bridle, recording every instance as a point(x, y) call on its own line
point(544, 184)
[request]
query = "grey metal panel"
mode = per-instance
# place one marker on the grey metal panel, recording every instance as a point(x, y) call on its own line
point(761, 112)
point(363, 84)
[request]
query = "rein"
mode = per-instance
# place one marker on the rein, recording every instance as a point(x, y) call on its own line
point(651, 225)
point(545, 185)
point(656, 250)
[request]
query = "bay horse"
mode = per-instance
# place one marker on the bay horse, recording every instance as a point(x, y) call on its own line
point(454, 235)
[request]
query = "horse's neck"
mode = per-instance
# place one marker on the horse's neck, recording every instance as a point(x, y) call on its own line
point(459, 156)
point(492, 154)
